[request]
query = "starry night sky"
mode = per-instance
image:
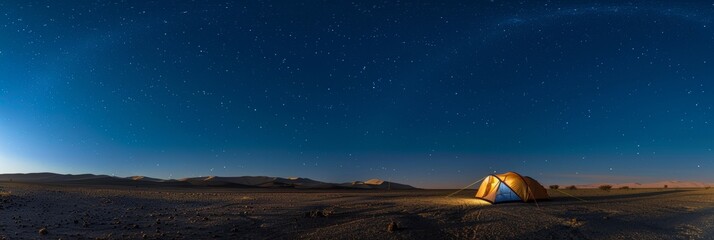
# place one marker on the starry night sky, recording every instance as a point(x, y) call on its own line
point(426, 93)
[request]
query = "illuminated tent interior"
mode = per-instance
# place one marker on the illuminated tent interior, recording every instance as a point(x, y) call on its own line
point(510, 187)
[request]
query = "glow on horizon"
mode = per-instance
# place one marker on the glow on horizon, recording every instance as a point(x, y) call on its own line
point(10, 164)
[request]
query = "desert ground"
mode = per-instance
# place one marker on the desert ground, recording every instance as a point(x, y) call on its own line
point(48, 211)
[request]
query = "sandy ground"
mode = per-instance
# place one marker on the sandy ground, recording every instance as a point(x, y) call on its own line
point(82, 212)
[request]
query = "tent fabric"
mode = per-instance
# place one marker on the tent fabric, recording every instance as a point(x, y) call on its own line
point(488, 187)
point(537, 191)
point(510, 186)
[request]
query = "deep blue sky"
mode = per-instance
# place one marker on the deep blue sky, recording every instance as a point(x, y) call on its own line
point(427, 93)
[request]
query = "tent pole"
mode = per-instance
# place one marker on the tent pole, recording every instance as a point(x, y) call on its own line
point(533, 196)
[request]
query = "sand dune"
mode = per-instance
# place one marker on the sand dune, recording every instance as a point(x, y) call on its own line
point(143, 178)
point(270, 182)
point(377, 184)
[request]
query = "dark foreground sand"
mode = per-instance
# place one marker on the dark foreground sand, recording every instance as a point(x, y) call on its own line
point(83, 212)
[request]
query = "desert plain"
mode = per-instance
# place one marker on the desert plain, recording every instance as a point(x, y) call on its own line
point(67, 211)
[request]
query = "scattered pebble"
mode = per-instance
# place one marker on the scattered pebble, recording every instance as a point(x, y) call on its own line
point(392, 226)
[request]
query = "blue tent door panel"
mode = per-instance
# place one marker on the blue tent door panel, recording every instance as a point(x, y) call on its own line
point(505, 194)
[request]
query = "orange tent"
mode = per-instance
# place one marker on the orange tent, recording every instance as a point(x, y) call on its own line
point(510, 187)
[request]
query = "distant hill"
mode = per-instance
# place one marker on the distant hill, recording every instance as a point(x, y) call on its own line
point(211, 181)
point(258, 181)
point(661, 184)
point(142, 178)
point(53, 177)
point(377, 184)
